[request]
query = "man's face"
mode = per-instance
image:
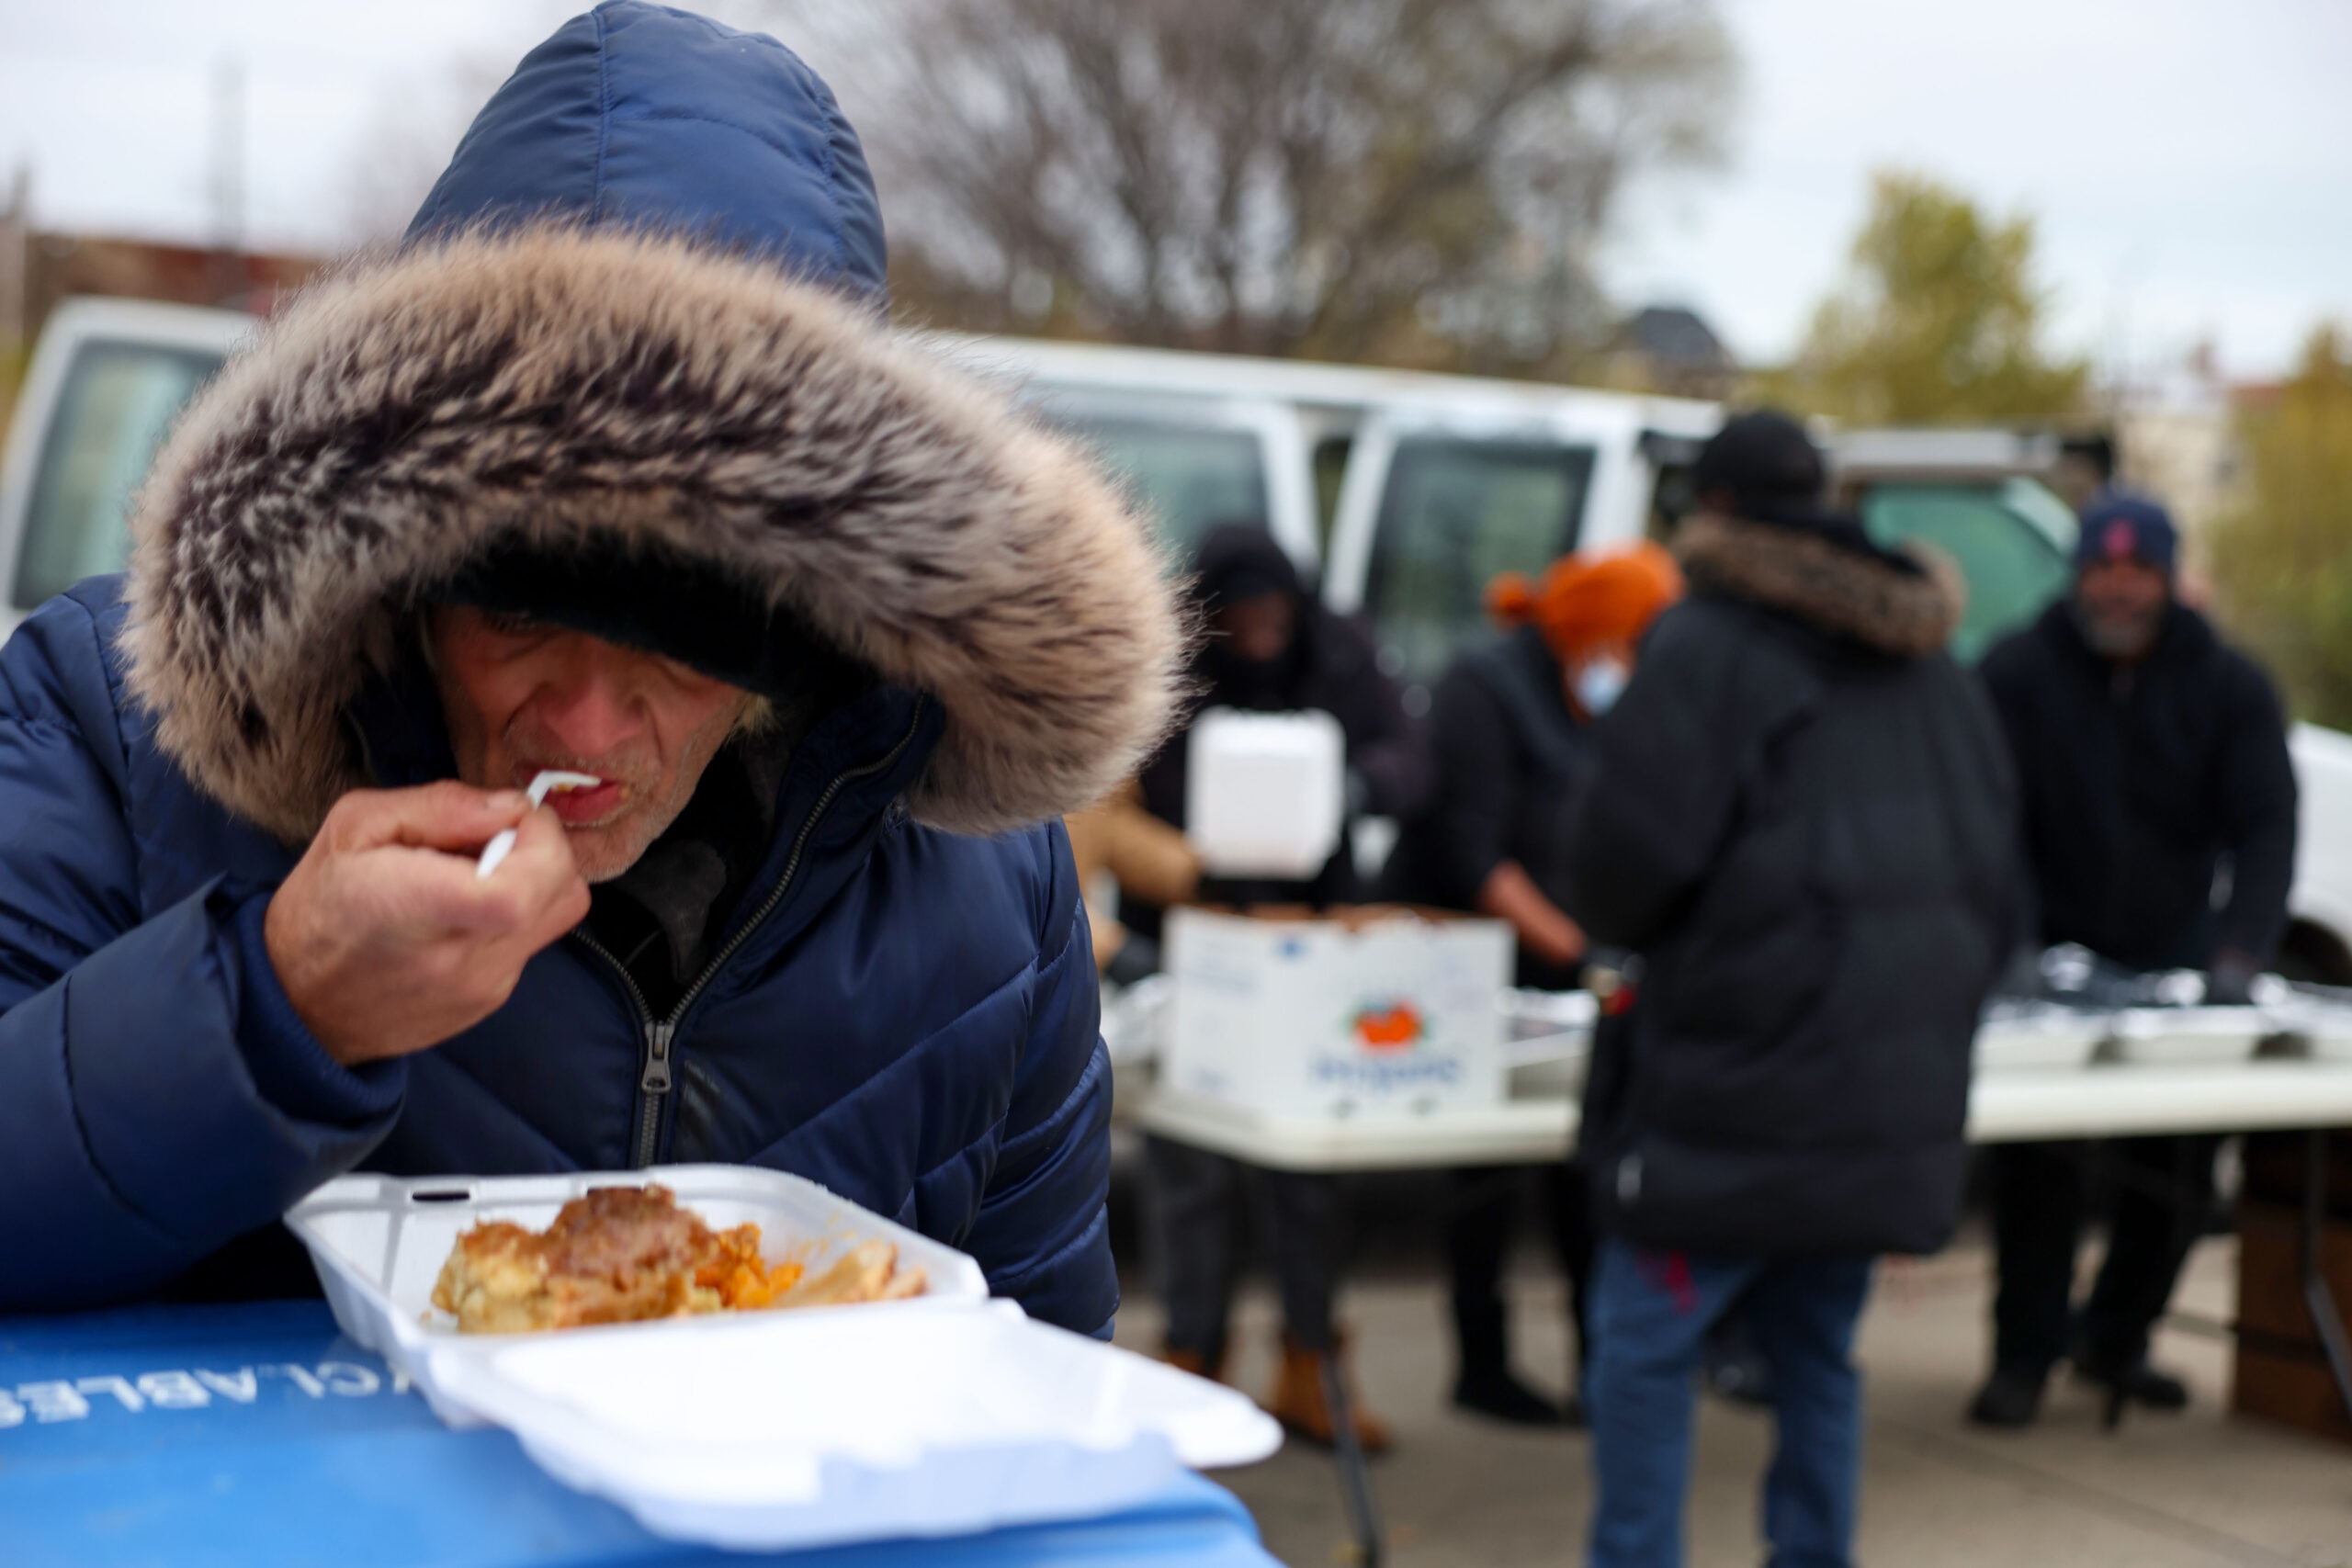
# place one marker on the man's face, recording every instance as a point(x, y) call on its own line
point(521, 695)
point(1258, 629)
point(2121, 604)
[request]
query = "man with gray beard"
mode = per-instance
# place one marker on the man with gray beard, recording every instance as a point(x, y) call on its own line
point(2149, 756)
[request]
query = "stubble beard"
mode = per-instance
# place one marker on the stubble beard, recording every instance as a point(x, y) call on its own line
point(605, 850)
point(650, 802)
point(2118, 637)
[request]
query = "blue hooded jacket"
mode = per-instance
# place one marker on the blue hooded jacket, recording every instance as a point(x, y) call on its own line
point(637, 314)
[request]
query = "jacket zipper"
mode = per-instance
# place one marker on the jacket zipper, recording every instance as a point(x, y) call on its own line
point(656, 1079)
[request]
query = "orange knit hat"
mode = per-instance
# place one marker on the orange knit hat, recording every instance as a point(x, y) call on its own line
point(1584, 601)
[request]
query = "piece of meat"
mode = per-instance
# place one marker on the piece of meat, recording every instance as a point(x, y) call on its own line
point(616, 1255)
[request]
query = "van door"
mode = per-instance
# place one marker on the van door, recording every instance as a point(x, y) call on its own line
point(104, 385)
point(1428, 517)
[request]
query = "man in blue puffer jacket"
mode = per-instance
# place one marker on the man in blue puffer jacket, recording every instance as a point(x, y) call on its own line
point(612, 466)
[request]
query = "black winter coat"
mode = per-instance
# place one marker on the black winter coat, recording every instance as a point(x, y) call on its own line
point(2136, 784)
point(1509, 758)
point(1802, 816)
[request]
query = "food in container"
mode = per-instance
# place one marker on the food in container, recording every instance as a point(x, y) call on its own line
point(629, 1254)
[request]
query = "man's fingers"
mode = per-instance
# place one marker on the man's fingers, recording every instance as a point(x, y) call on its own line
point(449, 817)
point(549, 893)
point(537, 889)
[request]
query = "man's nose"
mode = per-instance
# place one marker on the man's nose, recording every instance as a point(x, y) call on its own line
point(589, 709)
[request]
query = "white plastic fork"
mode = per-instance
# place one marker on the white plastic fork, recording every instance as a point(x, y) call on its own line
point(547, 780)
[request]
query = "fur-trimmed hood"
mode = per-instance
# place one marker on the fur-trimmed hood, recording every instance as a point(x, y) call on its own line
point(559, 383)
point(1865, 598)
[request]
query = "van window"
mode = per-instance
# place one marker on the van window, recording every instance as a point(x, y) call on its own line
point(1456, 512)
point(117, 402)
point(2014, 541)
point(1189, 477)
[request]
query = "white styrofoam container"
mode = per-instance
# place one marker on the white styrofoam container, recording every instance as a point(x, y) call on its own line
point(2188, 1036)
point(1547, 1042)
point(1310, 1017)
point(2034, 1037)
point(1552, 1078)
point(2319, 1017)
point(1265, 794)
point(773, 1431)
point(380, 1243)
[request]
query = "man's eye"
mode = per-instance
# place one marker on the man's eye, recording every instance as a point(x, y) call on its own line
point(506, 624)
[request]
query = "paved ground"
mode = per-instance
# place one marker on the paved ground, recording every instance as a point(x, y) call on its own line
point(2200, 1489)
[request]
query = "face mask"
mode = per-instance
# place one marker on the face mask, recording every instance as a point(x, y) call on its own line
point(1599, 685)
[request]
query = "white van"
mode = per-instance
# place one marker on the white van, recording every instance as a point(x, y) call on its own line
point(1403, 492)
point(104, 384)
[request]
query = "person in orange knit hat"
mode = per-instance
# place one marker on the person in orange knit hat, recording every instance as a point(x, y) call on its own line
point(1508, 728)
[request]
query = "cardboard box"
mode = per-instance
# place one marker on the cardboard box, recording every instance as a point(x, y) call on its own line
point(2280, 1373)
point(1336, 1016)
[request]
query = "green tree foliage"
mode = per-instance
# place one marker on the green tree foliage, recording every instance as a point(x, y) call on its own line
point(1939, 321)
point(2282, 554)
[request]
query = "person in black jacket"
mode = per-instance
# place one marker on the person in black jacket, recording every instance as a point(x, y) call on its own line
point(1271, 648)
point(1802, 818)
point(1508, 728)
point(2151, 754)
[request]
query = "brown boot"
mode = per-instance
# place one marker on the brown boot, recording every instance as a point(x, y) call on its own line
point(1298, 1403)
point(1195, 1362)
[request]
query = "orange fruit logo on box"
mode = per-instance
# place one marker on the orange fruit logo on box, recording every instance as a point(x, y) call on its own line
point(1390, 1026)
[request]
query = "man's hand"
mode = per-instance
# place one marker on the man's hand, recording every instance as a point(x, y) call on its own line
point(386, 941)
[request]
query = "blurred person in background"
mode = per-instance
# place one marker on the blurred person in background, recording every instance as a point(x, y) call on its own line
point(2151, 756)
point(1508, 732)
point(1271, 648)
point(1801, 820)
point(1141, 856)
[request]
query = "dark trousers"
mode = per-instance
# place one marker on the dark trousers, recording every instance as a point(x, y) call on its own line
point(2163, 1189)
point(1480, 1223)
point(1196, 1207)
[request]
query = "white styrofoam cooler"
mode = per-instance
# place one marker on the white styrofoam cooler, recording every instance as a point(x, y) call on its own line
point(1265, 794)
point(943, 1415)
point(1292, 1017)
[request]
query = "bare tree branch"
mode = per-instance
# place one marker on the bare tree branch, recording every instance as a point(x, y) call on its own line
point(1412, 180)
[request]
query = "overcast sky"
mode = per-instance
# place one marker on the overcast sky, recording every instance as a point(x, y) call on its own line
point(2189, 161)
